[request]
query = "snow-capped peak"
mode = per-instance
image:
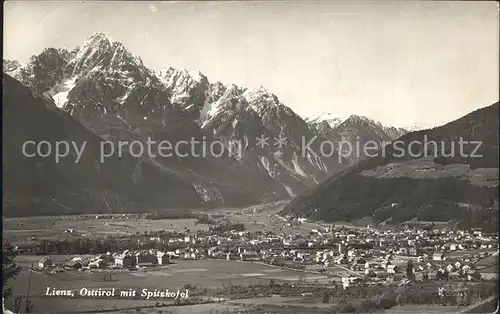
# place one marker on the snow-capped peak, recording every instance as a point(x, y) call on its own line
point(261, 93)
point(332, 119)
point(262, 89)
point(417, 127)
point(11, 65)
point(96, 37)
point(170, 75)
point(196, 75)
point(361, 119)
point(99, 53)
point(96, 42)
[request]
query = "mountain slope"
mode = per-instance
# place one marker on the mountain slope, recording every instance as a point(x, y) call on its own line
point(398, 186)
point(245, 115)
point(37, 185)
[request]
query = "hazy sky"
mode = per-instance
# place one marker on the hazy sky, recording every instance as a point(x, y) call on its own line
point(397, 62)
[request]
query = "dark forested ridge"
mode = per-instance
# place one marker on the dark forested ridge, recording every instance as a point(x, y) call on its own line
point(351, 195)
point(40, 186)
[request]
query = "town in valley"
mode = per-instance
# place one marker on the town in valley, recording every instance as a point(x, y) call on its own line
point(225, 256)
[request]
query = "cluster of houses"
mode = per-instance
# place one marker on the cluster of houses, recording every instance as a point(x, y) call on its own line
point(126, 259)
point(366, 252)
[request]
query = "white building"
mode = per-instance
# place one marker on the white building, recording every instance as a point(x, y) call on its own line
point(438, 257)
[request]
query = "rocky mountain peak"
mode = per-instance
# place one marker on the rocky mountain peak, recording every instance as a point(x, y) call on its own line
point(41, 71)
point(331, 119)
point(98, 52)
point(234, 90)
point(173, 78)
point(49, 58)
point(97, 39)
point(262, 100)
point(10, 65)
point(357, 119)
point(217, 89)
point(187, 90)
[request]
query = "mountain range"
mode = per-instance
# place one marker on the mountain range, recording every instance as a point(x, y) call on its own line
point(101, 92)
point(425, 175)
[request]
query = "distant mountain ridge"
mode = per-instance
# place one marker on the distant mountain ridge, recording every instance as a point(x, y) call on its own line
point(331, 119)
point(357, 130)
point(334, 120)
point(398, 187)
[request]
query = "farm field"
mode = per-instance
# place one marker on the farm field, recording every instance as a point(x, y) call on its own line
point(21, 230)
point(282, 301)
point(208, 274)
point(226, 308)
point(491, 260)
point(471, 252)
point(427, 168)
point(423, 309)
point(261, 218)
point(211, 308)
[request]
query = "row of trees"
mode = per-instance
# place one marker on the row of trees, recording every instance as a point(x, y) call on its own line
point(10, 270)
point(221, 228)
point(99, 246)
point(416, 294)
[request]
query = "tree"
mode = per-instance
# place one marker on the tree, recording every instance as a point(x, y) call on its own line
point(18, 303)
point(446, 274)
point(9, 268)
point(271, 283)
point(301, 278)
point(409, 270)
point(326, 297)
point(106, 277)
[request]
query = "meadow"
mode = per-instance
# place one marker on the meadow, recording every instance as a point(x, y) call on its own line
point(208, 274)
point(23, 229)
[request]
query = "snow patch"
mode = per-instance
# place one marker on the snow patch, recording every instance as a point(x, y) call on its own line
point(207, 111)
point(207, 105)
point(289, 190)
point(189, 107)
point(266, 163)
point(417, 127)
point(208, 193)
point(196, 75)
point(121, 100)
point(60, 92)
point(180, 98)
point(296, 166)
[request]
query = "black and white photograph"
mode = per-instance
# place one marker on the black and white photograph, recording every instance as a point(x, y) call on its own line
point(267, 157)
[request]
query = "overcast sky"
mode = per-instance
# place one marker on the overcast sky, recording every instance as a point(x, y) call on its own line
point(396, 62)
